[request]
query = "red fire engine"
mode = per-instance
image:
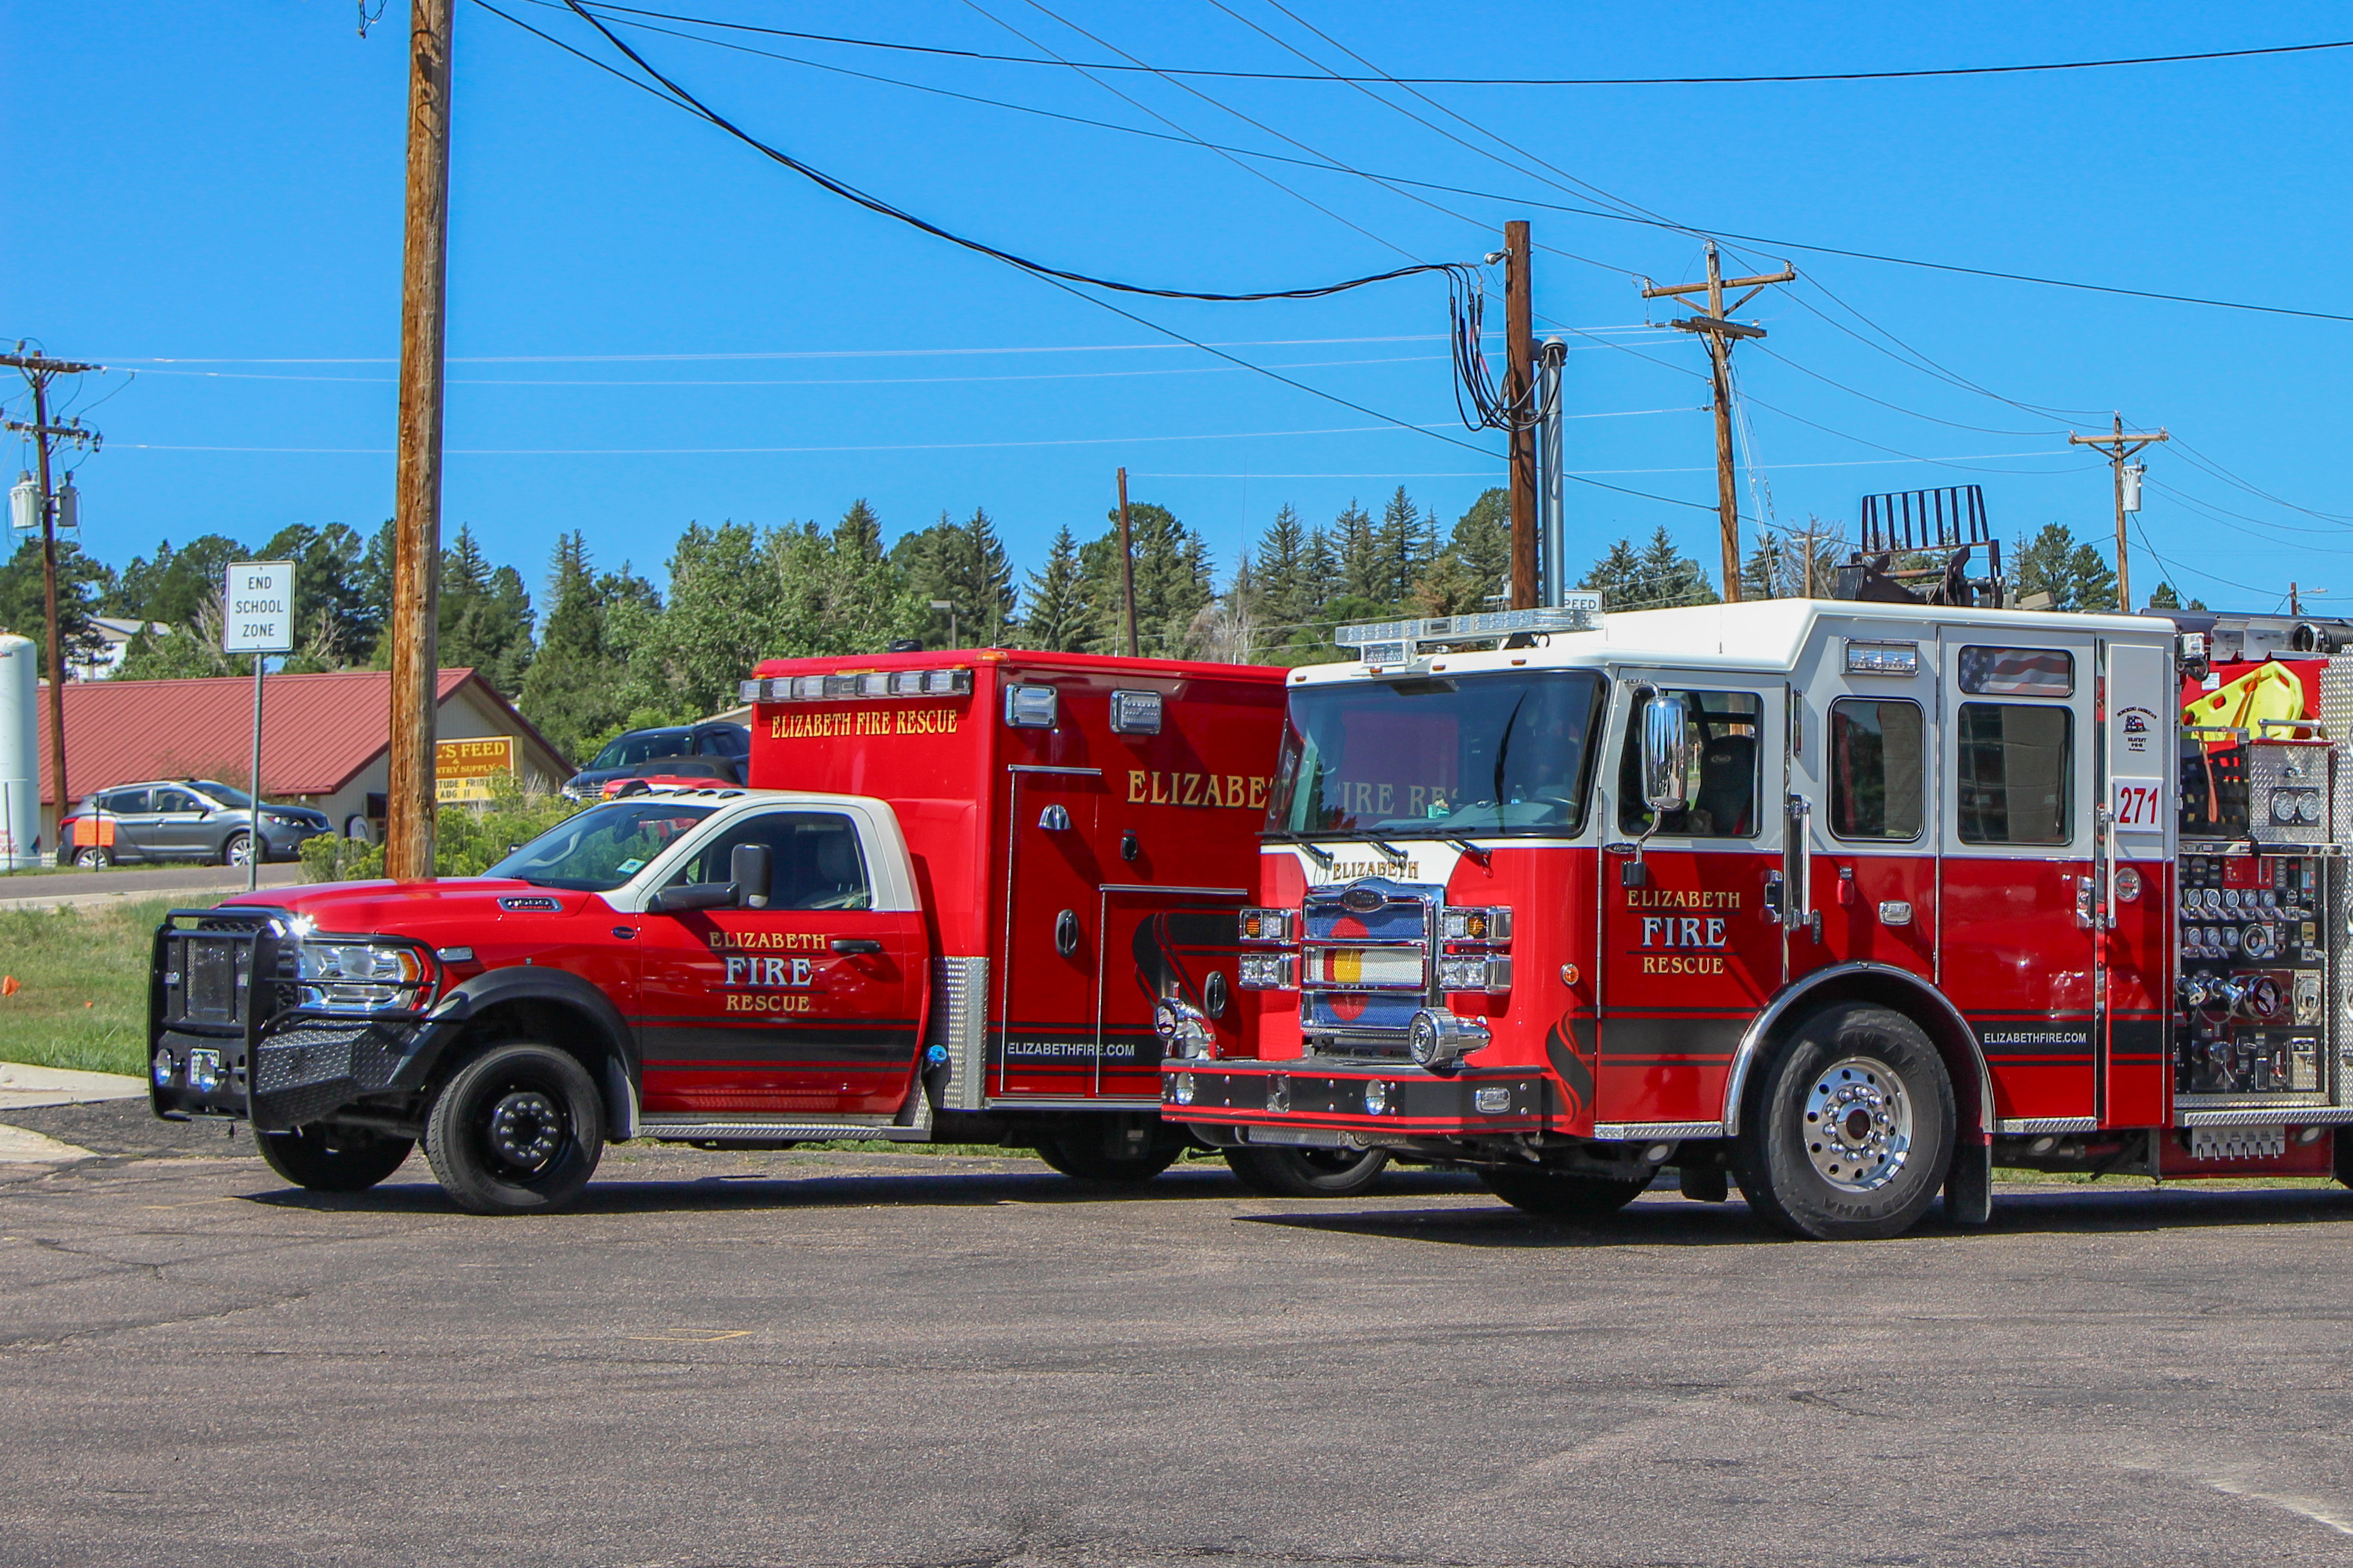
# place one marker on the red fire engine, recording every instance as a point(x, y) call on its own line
point(948, 908)
point(1847, 902)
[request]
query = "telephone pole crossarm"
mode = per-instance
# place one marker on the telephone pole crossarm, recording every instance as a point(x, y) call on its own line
point(1715, 325)
point(2118, 446)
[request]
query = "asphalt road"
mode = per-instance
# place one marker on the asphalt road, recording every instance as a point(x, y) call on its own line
point(173, 877)
point(793, 1359)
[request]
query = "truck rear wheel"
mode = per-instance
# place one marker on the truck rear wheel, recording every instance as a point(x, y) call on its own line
point(333, 1159)
point(518, 1131)
point(1560, 1194)
point(1098, 1158)
point(1848, 1126)
point(1307, 1173)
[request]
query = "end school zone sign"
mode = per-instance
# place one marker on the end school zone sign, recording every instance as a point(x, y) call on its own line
point(258, 606)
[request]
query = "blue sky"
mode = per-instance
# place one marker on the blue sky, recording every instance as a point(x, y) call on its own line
point(651, 324)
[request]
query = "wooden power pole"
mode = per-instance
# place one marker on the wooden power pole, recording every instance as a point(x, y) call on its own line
point(1126, 566)
point(416, 501)
point(1519, 396)
point(38, 369)
point(1721, 332)
point(2119, 447)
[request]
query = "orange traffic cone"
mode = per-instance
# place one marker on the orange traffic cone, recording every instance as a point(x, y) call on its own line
point(8, 985)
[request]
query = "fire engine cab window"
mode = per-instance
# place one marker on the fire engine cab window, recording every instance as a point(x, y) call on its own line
point(2018, 672)
point(1721, 787)
point(814, 860)
point(1488, 755)
point(1876, 767)
point(2016, 760)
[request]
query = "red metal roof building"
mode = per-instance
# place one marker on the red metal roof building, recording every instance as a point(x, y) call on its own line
point(324, 737)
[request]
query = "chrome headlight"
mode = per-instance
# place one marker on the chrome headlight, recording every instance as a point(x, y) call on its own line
point(361, 976)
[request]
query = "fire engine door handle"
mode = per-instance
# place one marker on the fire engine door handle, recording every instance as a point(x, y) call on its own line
point(1773, 889)
point(2083, 887)
point(847, 945)
point(1797, 861)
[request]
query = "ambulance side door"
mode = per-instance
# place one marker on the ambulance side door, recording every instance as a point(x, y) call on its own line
point(807, 1007)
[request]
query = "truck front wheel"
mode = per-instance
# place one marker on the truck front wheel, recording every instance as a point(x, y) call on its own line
point(1307, 1173)
point(518, 1131)
point(332, 1159)
point(1849, 1127)
point(1561, 1194)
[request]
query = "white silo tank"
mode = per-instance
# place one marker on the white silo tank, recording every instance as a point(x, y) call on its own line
point(20, 753)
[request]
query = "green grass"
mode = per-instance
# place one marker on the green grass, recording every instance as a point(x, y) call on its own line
point(83, 978)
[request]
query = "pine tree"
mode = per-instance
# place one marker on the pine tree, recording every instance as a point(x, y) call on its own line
point(485, 617)
point(1284, 597)
point(2074, 574)
point(1055, 616)
point(1352, 542)
point(329, 606)
point(1468, 574)
point(1396, 549)
point(1658, 576)
point(574, 692)
point(82, 585)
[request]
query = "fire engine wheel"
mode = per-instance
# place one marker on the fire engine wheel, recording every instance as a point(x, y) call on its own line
point(518, 1131)
point(1560, 1194)
point(1848, 1126)
point(334, 1159)
point(1086, 1158)
point(1307, 1173)
point(94, 858)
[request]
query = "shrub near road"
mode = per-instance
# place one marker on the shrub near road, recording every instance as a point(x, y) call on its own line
point(82, 1001)
point(467, 840)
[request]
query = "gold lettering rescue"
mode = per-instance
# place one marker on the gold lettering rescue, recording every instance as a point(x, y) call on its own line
point(863, 722)
point(1241, 792)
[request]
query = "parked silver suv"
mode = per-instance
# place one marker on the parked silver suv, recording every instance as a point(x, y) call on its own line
point(180, 819)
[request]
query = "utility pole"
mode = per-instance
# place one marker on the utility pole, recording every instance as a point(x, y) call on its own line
point(417, 488)
point(1721, 332)
point(2119, 447)
point(38, 371)
point(1126, 566)
point(1519, 396)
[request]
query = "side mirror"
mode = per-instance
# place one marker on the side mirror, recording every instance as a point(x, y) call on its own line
point(749, 867)
point(688, 896)
point(1667, 753)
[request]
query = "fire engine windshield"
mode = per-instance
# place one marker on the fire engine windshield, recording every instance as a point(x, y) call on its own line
point(602, 847)
point(1438, 758)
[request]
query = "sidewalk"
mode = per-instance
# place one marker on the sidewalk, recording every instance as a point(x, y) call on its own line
point(78, 890)
point(24, 1088)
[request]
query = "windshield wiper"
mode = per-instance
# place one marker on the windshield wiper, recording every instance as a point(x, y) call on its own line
point(1468, 848)
point(1391, 850)
point(1320, 856)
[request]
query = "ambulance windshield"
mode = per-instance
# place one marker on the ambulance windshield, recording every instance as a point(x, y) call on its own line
point(1438, 758)
point(602, 847)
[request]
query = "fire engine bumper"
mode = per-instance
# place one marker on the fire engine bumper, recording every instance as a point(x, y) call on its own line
point(1233, 1102)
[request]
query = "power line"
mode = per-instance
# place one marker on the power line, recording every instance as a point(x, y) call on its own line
point(1506, 81)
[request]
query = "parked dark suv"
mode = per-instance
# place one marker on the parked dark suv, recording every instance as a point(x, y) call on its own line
point(717, 751)
point(181, 819)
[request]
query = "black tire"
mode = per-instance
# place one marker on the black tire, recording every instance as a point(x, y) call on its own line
point(236, 847)
point(2344, 1156)
point(94, 858)
point(1848, 1127)
point(1307, 1173)
point(1089, 1158)
point(1559, 1194)
point(333, 1159)
point(518, 1131)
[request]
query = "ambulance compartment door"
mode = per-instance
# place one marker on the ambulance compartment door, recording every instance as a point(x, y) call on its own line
point(2137, 892)
point(807, 1007)
point(2018, 759)
point(1044, 1045)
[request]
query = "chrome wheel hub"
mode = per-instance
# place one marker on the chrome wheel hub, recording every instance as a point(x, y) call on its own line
point(1858, 1124)
point(526, 1128)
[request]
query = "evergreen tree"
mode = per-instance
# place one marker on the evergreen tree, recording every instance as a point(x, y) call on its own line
point(2072, 574)
point(1361, 575)
point(82, 587)
point(965, 565)
point(175, 585)
point(330, 611)
point(1657, 576)
point(1172, 583)
point(1055, 616)
point(2167, 598)
point(1399, 552)
point(485, 616)
point(574, 692)
point(1283, 594)
point(1468, 574)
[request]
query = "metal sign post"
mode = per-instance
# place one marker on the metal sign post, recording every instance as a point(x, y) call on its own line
point(258, 617)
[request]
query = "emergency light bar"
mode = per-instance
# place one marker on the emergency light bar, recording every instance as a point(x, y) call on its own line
point(1398, 642)
point(869, 683)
